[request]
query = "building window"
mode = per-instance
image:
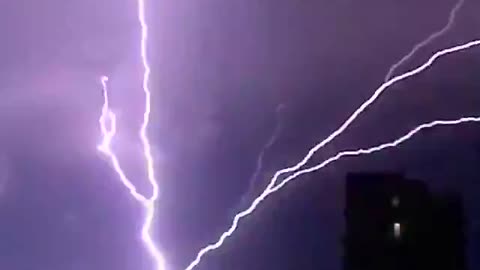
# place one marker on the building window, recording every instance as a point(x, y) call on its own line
point(395, 201)
point(397, 230)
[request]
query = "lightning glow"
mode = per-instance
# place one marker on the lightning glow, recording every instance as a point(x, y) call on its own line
point(271, 186)
point(108, 133)
point(429, 39)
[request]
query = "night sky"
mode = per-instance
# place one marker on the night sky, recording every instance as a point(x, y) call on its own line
point(219, 71)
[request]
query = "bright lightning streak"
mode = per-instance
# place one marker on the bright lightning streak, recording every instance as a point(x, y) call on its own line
point(339, 155)
point(360, 152)
point(150, 206)
point(146, 89)
point(109, 132)
point(429, 39)
point(331, 137)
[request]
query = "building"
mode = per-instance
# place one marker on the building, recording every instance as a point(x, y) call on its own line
point(393, 223)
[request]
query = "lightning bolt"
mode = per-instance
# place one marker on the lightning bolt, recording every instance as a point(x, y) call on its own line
point(336, 157)
point(360, 152)
point(107, 122)
point(154, 251)
point(108, 133)
point(429, 39)
point(332, 136)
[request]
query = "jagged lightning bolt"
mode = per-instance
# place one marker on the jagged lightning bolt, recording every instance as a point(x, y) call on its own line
point(154, 251)
point(109, 132)
point(429, 39)
point(259, 164)
point(366, 151)
point(327, 140)
point(336, 157)
point(107, 123)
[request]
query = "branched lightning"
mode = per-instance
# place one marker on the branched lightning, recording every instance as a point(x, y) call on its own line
point(271, 186)
point(336, 157)
point(105, 146)
point(107, 123)
point(109, 131)
point(429, 39)
point(361, 151)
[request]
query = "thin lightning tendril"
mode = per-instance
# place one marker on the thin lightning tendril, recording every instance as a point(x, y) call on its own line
point(109, 132)
point(260, 158)
point(271, 187)
point(429, 39)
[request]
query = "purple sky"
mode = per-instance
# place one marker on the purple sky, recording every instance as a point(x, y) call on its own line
point(220, 68)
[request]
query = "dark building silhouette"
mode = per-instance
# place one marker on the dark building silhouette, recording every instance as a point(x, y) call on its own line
point(393, 223)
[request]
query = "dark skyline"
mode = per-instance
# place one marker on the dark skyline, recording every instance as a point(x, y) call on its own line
point(219, 70)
